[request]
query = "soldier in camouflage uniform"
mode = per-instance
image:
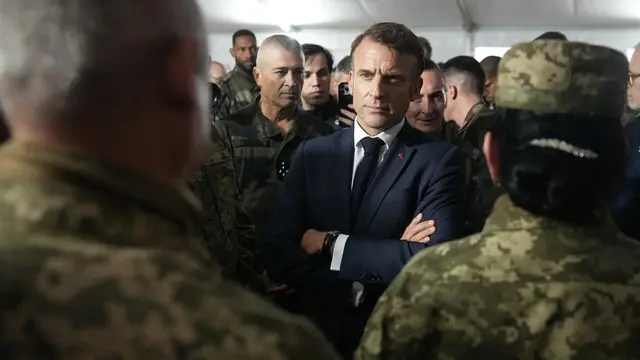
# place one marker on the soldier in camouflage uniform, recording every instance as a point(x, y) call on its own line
point(238, 86)
point(226, 227)
point(550, 277)
point(99, 256)
point(469, 120)
point(262, 144)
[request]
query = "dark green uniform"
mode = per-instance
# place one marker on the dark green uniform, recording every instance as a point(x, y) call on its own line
point(481, 192)
point(226, 227)
point(238, 89)
point(263, 154)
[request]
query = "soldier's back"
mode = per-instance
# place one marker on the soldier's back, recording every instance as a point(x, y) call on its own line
point(525, 288)
point(68, 298)
point(98, 263)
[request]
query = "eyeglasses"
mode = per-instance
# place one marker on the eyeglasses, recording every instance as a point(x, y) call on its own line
point(632, 78)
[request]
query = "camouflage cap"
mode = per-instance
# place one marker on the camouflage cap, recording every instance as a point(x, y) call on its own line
point(563, 77)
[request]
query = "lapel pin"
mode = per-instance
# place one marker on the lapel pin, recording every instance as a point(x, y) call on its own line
point(401, 156)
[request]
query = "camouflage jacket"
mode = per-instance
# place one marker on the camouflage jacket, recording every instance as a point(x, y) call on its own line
point(262, 154)
point(47, 190)
point(527, 287)
point(226, 227)
point(91, 268)
point(238, 89)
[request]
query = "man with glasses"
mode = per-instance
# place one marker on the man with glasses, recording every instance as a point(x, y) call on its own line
point(627, 204)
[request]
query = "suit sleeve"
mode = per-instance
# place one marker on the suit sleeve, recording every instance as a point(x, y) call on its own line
point(285, 260)
point(380, 260)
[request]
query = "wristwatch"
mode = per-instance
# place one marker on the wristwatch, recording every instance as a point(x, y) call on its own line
point(330, 238)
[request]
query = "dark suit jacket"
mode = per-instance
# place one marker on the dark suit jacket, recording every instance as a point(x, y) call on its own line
point(418, 175)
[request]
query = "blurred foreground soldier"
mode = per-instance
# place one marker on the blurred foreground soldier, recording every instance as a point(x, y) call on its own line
point(549, 277)
point(95, 214)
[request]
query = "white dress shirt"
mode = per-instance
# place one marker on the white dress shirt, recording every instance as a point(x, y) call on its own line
point(388, 136)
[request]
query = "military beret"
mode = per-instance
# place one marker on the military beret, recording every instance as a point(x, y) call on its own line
point(563, 77)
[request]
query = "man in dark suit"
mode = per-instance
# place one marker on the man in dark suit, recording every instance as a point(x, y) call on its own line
point(351, 215)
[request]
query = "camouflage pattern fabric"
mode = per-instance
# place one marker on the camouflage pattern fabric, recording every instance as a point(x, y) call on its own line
point(238, 89)
point(98, 263)
point(262, 154)
point(226, 227)
point(526, 288)
point(68, 297)
point(563, 77)
point(51, 191)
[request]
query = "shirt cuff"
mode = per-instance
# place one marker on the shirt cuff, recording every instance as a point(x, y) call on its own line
point(338, 252)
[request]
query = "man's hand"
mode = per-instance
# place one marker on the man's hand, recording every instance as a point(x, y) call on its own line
point(346, 117)
point(418, 231)
point(312, 241)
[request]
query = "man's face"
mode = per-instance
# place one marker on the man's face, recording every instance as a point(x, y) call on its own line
point(490, 86)
point(633, 91)
point(383, 83)
point(216, 72)
point(336, 79)
point(244, 50)
point(317, 76)
point(280, 77)
point(427, 112)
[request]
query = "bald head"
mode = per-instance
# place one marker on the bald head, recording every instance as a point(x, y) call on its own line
point(277, 44)
point(68, 56)
point(216, 72)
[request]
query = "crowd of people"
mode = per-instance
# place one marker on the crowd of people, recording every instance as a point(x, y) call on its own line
point(379, 207)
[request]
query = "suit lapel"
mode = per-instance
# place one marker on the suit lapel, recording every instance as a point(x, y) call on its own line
point(395, 161)
point(343, 170)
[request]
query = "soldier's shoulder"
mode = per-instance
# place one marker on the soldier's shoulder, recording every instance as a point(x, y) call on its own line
point(120, 291)
point(320, 126)
point(227, 78)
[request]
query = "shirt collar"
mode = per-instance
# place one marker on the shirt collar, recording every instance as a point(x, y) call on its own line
point(387, 136)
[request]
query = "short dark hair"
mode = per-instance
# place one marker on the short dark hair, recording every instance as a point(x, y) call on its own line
point(242, 33)
point(314, 49)
point(490, 65)
point(553, 183)
point(552, 35)
point(429, 65)
point(396, 37)
point(426, 47)
point(345, 65)
point(469, 68)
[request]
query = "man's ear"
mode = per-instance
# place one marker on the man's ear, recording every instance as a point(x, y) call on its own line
point(257, 76)
point(491, 150)
point(231, 52)
point(452, 92)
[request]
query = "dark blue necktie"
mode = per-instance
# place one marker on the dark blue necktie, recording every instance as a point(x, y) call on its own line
point(364, 173)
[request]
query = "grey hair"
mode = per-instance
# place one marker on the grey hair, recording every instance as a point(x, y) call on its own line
point(344, 66)
point(283, 42)
point(637, 47)
point(66, 55)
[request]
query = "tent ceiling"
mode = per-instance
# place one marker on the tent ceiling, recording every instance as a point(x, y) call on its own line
point(269, 15)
